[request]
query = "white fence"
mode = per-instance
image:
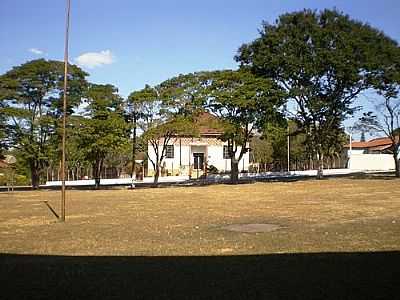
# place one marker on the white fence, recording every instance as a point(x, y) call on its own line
point(117, 181)
point(371, 162)
point(223, 177)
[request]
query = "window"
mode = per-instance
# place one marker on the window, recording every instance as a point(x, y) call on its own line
point(226, 153)
point(169, 151)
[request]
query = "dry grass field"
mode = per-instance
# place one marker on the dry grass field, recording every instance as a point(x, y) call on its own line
point(337, 239)
point(336, 215)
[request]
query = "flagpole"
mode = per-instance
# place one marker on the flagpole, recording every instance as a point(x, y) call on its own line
point(62, 217)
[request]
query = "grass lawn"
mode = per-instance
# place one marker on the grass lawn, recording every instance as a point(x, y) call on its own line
point(314, 216)
point(338, 239)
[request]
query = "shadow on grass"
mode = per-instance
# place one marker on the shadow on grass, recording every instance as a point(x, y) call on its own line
point(374, 275)
point(375, 176)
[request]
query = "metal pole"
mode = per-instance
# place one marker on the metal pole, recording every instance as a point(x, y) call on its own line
point(288, 149)
point(351, 140)
point(62, 217)
point(133, 171)
point(180, 152)
point(350, 137)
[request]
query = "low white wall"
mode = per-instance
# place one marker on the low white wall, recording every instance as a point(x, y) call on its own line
point(371, 162)
point(356, 151)
point(211, 177)
point(283, 174)
point(116, 181)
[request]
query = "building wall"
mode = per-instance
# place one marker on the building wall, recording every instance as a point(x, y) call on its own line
point(185, 147)
point(216, 158)
point(356, 151)
point(371, 162)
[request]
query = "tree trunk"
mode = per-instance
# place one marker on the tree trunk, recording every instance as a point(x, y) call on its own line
point(156, 175)
point(396, 163)
point(133, 149)
point(320, 165)
point(234, 171)
point(97, 167)
point(35, 176)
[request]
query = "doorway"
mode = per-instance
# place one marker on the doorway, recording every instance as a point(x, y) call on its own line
point(198, 163)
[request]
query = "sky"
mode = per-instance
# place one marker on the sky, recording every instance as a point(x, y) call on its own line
point(131, 43)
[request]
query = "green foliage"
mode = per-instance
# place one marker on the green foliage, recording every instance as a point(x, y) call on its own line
point(145, 107)
point(244, 103)
point(7, 178)
point(323, 61)
point(277, 134)
point(30, 97)
point(3, 132)
point(261, 150)
point(241, 101)
point(103, 129)
point(178, 125)
point(183, 94)
point(154, 112)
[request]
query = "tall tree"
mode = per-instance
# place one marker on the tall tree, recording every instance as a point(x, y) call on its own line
point(388, 85)
point(103, 130)
point(159, 120)
point(3, 130)
point(75, 154)
point(386, 121)
point(144, 113)
point(323, 60)
point(390, 111)
point(160, 135)
point(277, 134)
point(243, 103)
point(31, 99)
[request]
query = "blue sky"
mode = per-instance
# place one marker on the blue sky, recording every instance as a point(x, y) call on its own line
point(150, 41)
point(139, 42)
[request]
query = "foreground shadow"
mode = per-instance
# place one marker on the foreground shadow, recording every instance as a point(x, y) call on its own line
point(376, 176)
point(374, 275)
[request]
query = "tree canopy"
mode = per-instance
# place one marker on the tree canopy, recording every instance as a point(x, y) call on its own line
point(302, 72)
point(244, 103)
point(323, 60)
point(159, 117)
point(30, 95)
point(103, 129)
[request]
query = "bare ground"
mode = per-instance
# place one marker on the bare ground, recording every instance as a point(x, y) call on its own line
point(337, 239)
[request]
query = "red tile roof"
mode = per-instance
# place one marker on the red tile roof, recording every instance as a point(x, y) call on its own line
point(384, 142)
point(380, 148)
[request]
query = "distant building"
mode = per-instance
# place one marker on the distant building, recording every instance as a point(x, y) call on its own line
point(190, 155)
point(375, 154)
point(375, 146)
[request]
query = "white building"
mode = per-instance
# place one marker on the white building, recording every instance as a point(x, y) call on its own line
point(193, 155)
point(373, 155)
